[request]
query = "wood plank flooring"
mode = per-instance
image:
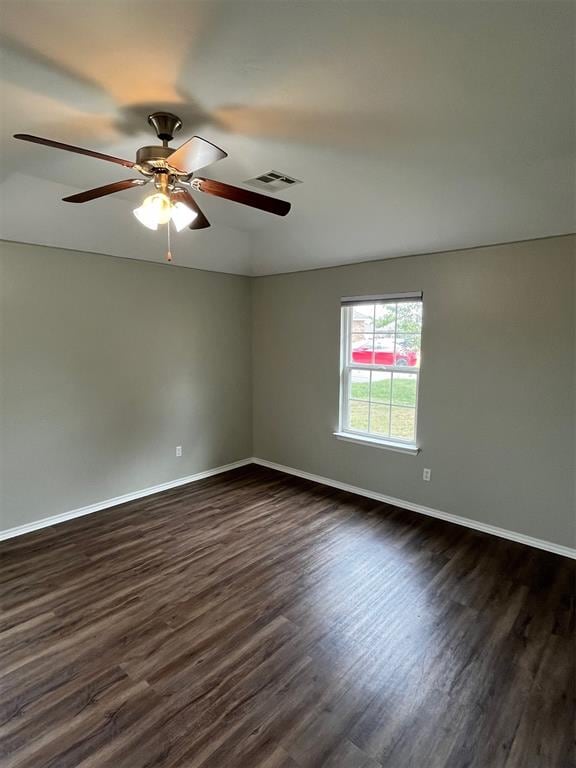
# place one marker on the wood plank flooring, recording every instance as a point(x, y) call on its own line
point(255, 620)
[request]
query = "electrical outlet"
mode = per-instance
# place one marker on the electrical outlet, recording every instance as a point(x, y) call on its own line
point(178, 450)
point(426, 475)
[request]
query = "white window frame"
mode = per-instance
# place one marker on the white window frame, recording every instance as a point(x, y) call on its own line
point(346, 367)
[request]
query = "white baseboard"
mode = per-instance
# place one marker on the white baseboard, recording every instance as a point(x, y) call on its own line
point(503, 533)
point(81, 511)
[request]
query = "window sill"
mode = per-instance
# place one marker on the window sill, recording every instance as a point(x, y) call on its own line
point(388, 445)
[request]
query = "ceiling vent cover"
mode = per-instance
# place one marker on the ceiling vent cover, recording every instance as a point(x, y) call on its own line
point(273, 181)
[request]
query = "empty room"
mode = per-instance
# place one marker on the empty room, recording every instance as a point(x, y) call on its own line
point(287, 438)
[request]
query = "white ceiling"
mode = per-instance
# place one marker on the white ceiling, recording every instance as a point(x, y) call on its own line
point(415, 126)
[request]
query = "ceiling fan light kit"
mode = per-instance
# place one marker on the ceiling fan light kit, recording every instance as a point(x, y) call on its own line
point(172, 173)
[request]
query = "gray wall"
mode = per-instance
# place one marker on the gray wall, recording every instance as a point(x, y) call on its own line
point(496, 393)
point(107, 364)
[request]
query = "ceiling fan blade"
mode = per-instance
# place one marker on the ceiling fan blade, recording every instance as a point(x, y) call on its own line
point(194, 154)
point(183, 196)
point(107, 189)
point(71, 148)
point(244, 196)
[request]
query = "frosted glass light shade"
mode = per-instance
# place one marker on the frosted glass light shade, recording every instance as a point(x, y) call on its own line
point(182, 216)
point(155, 210)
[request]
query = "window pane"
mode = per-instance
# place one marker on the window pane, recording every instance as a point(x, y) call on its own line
point(358, 415)
point(407, 350)
point(360, 385)
point(409, 317)
point(363, 318)
point(384, 349)
point(404, 389)
point(381, 402)
point(402, 422)
point(362, 348)
point(380, 387)
point(385, 318)
point(380, 419)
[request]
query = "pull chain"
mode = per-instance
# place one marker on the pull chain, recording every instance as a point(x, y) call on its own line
point(169, 252)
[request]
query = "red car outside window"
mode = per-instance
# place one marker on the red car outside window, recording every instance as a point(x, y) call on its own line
point(366, 356)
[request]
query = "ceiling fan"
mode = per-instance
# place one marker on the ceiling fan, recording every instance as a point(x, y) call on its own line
point(172, 173)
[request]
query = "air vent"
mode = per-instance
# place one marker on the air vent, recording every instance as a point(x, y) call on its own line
point(273, 181)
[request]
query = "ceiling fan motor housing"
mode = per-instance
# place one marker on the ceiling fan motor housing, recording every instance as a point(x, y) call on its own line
point(154, 160)
point(153, 157)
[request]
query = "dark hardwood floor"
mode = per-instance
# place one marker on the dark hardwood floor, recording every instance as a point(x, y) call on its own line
point(254, 620)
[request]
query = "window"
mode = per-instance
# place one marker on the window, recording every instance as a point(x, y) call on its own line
point(380, 368)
